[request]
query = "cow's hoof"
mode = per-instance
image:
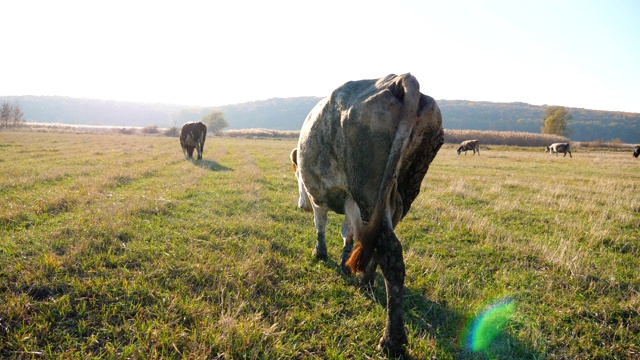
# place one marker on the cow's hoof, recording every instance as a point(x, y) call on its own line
point(321, 255)
point(345, 269)
point(393, 348)
point(366, 282)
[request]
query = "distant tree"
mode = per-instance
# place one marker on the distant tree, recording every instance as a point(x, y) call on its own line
point(10, 115)
point(556, 121)
point(5, 114)
point(215, 121)
point(17, 115)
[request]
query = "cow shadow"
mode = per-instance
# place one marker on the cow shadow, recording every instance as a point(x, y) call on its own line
point(448, 327)
point(210, 164)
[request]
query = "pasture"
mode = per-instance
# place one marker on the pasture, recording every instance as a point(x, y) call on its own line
point(115, 246)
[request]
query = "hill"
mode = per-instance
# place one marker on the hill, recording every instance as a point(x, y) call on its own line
point(289, 114)
point(586, 125)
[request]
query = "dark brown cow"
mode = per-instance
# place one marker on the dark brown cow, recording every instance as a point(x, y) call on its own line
point(192, 136)
point(363, 152)
point(636, 151)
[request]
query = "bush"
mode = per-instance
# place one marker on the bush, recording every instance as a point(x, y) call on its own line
point(600, 144)
point(172, 132)
point(151, 129)
point(127, 131)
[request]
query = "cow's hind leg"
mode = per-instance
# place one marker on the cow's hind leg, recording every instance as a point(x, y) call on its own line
point(200, 150)
point(320, 218)
point(369, 274)
point(392, 266)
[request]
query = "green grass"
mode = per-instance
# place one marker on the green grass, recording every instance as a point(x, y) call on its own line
point(115, 246)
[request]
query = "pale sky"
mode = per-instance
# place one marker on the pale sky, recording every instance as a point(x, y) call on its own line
point(575, 53)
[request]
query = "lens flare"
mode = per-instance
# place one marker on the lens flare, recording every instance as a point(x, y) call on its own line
point(488, 324)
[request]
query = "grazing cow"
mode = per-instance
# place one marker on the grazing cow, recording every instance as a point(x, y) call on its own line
point(636, 151)
point(192, 136)
point(559, 148)
point(363, 152)
point(469, 145)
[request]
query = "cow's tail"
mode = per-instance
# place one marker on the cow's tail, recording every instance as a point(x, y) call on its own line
point(406, 90)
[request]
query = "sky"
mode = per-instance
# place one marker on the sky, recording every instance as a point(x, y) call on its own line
point(574, 53)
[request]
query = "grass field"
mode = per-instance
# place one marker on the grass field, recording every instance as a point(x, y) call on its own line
point(115, 246)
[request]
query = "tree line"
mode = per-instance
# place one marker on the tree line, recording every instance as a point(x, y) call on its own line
point(289, 114)
point(580, 124)
point(11, 115)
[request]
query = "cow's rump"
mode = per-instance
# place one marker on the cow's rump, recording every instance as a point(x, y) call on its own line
point(352, 134)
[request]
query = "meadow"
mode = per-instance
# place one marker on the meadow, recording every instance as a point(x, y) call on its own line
point(114, 246)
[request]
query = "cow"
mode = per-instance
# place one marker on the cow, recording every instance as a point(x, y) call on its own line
point(636, 151)
point(192, 136)
point(559, 148)
point(363, 152)
point(469, 145)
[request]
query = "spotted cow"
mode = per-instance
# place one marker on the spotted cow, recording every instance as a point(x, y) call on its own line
point(469, 145)
point(559, 148)
point(363, 152)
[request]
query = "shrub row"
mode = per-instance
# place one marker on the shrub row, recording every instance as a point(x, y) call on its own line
point(450, 136)
point(262, 133)
point(509, 138)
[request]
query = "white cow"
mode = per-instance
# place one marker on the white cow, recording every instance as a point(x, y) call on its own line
point(363, 152)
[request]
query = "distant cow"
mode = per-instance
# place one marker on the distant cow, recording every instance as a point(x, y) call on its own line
point(636, 151)
point(192, 136)
point(559, 148)
point(469, 145)
point(363, 152)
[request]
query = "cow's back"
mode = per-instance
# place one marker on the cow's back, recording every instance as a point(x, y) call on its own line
point(192, 133)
